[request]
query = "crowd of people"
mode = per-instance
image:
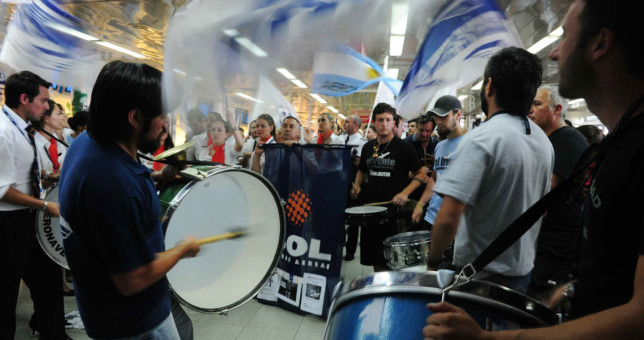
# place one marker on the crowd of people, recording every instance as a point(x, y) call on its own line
point(465, 186)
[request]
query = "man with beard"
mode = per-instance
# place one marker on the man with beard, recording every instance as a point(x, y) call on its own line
point(500, 169)
point(600, 59)
point(110, 212)
point(447, 113)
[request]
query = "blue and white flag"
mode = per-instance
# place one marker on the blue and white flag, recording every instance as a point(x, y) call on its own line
point(459, 42)
point(338, 71)
point(37, 41)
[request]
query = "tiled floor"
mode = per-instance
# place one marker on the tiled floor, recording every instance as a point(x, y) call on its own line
point(250, 321)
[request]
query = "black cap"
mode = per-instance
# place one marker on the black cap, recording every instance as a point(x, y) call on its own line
point(445, 105)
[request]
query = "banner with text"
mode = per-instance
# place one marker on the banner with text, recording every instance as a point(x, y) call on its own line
point(313, 181)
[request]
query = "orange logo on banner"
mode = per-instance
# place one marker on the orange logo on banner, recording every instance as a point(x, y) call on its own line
point(298, 207)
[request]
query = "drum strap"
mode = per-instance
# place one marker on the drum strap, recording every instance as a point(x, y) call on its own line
point(164, 161)
point(178, 162)
point(590, 159)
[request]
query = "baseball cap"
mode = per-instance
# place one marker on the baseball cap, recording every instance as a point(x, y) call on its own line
point(445, 105)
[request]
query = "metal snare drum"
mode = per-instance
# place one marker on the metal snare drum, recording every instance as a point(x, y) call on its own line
point(366, 215)
point(407, 249)
point(392, 305)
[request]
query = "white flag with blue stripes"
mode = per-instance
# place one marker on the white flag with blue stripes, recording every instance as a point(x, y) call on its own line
point(459, 42)
point(338, 70)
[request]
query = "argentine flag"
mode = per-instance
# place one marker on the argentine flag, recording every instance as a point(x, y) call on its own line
point(459, 42)
point(338, 71)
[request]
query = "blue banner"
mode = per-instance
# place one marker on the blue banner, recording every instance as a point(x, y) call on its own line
point(313, 181)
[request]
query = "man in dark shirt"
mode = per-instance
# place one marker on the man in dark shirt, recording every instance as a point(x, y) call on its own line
point(386, 161)
point(557, 245)
point(110, 211)
point(601, 60)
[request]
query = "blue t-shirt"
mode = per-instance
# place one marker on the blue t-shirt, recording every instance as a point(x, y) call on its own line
point(443, 154)
point(110, 220)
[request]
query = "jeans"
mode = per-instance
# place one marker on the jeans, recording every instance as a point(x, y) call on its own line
point(166, 330)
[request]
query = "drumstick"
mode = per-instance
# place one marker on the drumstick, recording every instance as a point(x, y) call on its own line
point(378, 203)
point(220, 237)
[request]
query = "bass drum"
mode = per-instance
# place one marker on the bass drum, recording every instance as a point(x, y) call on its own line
point(393, 305)
point(48, 231)
point(225, 274)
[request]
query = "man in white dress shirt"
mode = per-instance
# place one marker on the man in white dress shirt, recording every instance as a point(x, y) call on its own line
point(20, 196)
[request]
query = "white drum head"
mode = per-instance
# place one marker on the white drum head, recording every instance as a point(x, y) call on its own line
point(365, 209)
point(48, 231)
point(227, 273)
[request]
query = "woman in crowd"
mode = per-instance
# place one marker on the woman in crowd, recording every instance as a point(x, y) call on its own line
point(220, 150)
point(325, 131)
point(78, 124)
point(51, 152)
point(266, 135)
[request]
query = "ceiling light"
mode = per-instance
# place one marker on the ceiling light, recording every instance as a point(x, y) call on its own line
point(251, 46)
point(120, 49)
point(396, 43)
point(342, 116)
point(546, 41)
point(333, 109)
point(318, 98)
point(299, 83)
point(399, 13)
point(393, 73)
point(73, 32)
point(557, 32)
point(179, 71)
point(477, 86)
point(286, 73)
point(232, 33)
point(461, 97)
point(248, 97)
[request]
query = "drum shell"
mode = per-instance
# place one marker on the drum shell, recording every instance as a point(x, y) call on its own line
point(49, 233)
point(407, 249)
point(367, 219)
point(174, 201)
point(392, 305)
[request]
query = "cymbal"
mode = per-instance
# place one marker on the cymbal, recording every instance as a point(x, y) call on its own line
point(175, 152)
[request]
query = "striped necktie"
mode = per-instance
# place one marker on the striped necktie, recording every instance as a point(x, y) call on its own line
point(35, 172)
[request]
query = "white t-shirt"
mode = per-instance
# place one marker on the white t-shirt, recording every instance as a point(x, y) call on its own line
point(498, 172)
point(230, 154)
point(201, 142)
point(357, 140)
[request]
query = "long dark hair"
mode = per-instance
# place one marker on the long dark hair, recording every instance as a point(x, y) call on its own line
point(120, 88)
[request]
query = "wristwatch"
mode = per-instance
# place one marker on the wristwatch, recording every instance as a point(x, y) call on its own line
point(44, 206)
